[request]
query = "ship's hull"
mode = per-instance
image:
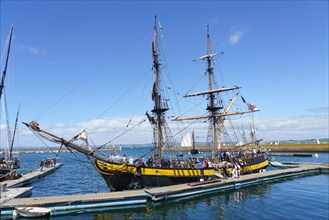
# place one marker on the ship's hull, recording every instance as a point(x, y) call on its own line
point(255, 164)
point(125, 176)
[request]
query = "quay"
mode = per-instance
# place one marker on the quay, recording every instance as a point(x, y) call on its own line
point(182, 190)
point(61, 205)
point(31, 176)
point(10, 189)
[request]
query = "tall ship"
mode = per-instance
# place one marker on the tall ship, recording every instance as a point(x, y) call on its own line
point(159, 169)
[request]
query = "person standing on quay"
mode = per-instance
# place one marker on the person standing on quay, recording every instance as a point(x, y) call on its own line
point(41, 164)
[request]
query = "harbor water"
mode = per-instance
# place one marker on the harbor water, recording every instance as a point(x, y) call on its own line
point(304, 197)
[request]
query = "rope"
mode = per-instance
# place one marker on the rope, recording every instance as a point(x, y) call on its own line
point(121, 134)
point(85, 80)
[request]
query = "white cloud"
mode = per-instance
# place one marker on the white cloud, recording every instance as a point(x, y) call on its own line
point(102, 131)
point(34, 50)
point(293, 128)
point(237, 35)
point(37, 51)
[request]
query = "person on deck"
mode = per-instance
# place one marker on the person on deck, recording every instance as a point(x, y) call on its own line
point(124, 158)
point(253, 152)
point(149, 162)
point(131, 160)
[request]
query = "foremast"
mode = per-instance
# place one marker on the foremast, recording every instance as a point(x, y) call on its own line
point(160, 105)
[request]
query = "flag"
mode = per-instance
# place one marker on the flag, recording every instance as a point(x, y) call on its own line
point(251, 107)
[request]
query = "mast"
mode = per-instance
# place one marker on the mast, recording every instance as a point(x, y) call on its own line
point(217, 112)
point(160, 106)
point(2, 84)
point(212, 108)
point(193, 141)
point(15, 129)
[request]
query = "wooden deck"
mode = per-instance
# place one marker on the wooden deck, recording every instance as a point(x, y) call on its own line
point(30, 177)
point(61, 205)
point(7, 194)
point(65, 204)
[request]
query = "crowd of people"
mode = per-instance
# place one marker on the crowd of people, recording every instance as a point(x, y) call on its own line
point(228, 163)
point(49, 162)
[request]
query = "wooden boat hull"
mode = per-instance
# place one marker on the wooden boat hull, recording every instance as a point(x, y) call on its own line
point(125, 176)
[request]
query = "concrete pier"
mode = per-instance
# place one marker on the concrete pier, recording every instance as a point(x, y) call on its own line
point(11, 189)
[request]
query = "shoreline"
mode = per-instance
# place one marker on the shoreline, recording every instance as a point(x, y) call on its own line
point(289, 148)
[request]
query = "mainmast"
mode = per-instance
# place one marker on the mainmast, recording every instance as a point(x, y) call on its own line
point(212, 108)
point(215, 107)
point(160, 106)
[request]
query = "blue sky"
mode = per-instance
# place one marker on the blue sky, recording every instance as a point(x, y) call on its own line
point(76, 61)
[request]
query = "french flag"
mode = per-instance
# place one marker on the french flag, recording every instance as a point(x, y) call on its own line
point(251, 107)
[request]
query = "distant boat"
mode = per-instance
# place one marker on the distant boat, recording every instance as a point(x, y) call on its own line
point(186, 142)
point(275, 163)
point(31, 212)
point(193, 150)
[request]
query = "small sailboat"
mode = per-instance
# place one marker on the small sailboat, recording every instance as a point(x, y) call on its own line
point(273, 162)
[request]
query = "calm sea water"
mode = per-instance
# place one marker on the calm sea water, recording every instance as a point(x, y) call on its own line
point(299, 198)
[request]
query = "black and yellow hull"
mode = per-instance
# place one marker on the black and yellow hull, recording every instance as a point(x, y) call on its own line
point(251, 165)
point(255, 164)
point(125, 176)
